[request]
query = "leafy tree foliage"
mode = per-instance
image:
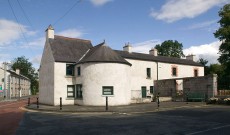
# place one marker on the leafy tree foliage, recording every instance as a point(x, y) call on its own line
point(223, 34)
point(27, 70)
point(204, 62)
point(170, 48)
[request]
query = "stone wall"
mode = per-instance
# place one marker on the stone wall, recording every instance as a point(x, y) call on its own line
point(204, 84)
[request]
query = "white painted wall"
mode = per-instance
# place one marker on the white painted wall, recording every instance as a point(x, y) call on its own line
point(46, 77)
point(139, 76)
point(96, 75)
point(165, 71)
point(61, 82)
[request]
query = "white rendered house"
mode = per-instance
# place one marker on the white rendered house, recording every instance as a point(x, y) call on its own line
point(83, 74)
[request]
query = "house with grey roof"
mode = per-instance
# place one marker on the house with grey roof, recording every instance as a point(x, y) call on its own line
point(14, 85)
point(83, 74)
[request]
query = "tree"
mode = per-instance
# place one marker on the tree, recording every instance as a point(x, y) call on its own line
point(223, 34)
point(27, 70)
point(204, 62)
point(170, 48)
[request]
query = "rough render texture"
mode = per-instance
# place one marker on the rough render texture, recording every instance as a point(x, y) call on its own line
point(46, 77)
point(93, 77)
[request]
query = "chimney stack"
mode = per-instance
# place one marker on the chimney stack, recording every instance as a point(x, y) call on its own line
point(18, 71)
point(190, 57)
point(153, 52)
point(50, 32)
point(127, 48)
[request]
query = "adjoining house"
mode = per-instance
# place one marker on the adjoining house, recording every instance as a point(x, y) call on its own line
point(16, 85)
point(83, 74)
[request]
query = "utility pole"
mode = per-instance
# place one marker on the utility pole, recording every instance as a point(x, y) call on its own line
point(4, 80)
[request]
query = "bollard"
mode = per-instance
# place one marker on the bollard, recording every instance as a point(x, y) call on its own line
point(186, 98)
point(158, 100)
point(60, 103)
point(28, 101)
point(37, 103)
point(106, 104)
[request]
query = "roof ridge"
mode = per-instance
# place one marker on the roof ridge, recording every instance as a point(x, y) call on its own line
point(72, 38)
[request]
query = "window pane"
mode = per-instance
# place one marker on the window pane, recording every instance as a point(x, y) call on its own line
point(79, 91)
point(174, 71)
point(148, 72)
point(69, 69)
point(151, 89)
point(78, 71)
point(70, 90)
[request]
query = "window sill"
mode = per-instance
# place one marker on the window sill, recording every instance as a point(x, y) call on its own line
point(69, 76)
point(70, 98)
point(78, 98)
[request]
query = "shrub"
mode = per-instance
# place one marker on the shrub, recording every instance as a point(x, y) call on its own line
point(227, 101)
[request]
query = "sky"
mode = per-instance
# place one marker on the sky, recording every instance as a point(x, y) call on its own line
point(142, 23)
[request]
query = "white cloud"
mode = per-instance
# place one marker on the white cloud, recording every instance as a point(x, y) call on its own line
point(39, 42)
point(145, 46)
point(74, 33)
point(175, 10)
point(206, 51)
point(100, 2)
point(202, 24)
point(36, 60)
point(10, 31)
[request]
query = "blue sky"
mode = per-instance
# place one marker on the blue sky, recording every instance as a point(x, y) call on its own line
point(142, 23)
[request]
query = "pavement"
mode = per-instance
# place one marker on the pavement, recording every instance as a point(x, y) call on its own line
point(132, 108)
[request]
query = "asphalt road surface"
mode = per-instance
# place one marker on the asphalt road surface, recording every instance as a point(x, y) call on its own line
point(11, 115)
point(211, 120)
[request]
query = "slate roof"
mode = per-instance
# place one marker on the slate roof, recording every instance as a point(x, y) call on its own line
point(15, 74)
point(103, 53)
point(164, 59)
point(70, 50)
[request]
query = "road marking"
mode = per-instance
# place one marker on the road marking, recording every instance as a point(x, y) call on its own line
point(198, 132)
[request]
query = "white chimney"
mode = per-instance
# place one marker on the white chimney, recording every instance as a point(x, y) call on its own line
point(18, 71)
point(190, 57)
point(153, 52)
point(50, 32)
point(127, 48)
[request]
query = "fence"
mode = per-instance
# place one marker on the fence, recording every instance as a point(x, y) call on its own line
point(223, 92)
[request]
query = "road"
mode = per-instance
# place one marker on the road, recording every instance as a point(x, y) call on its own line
point(10, 116)
point(210, 120)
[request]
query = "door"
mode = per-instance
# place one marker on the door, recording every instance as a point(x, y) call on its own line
point(143, 91)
